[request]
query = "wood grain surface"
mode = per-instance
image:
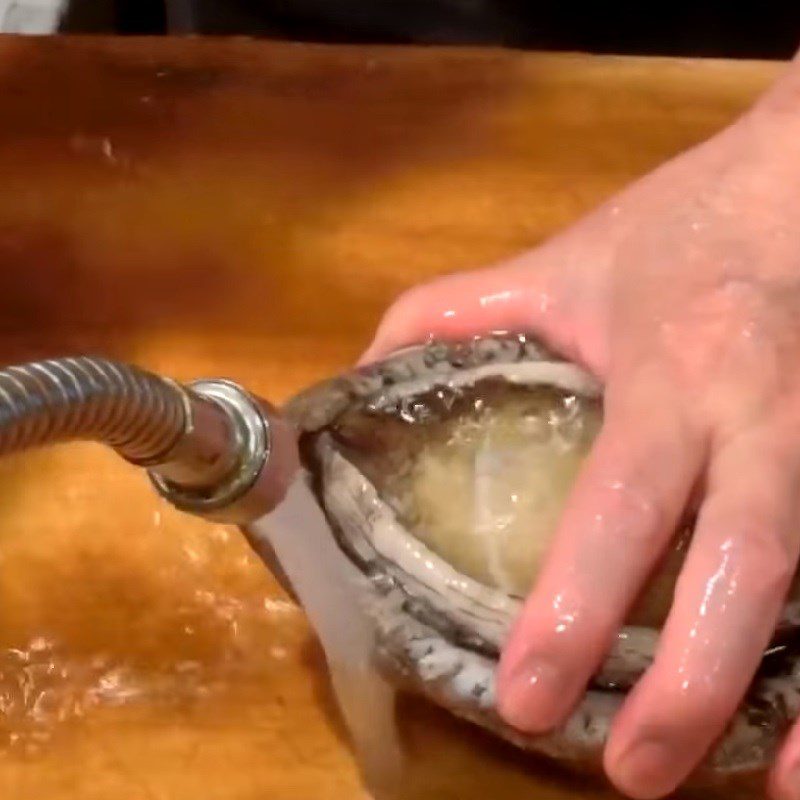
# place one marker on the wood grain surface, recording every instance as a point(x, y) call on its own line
point(249, 209)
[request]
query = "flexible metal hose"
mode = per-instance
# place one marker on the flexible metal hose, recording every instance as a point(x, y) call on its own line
point(139, 414)
point(210, 448)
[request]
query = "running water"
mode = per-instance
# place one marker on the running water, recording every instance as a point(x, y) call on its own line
point(331, 592)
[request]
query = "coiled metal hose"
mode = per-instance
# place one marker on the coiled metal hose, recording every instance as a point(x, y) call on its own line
point(210, 448)
point(140, 415)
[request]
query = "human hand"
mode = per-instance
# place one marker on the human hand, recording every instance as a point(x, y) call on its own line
point(682, 294)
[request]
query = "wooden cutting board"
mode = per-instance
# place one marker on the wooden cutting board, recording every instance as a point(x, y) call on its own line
point(249, 209)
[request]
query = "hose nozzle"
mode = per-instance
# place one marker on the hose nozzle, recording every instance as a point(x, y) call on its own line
point(235, 460)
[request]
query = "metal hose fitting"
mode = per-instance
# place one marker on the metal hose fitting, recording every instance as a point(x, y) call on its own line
point(210, 448)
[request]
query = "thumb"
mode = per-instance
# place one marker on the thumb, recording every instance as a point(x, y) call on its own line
point(517, 296)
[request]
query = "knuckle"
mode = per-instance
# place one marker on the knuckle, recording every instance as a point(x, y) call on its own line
point(768, 557)
point(696, 707)
point(569, 624)
point(701, 704)
point(731, 333)
point(633, 512)
point(762, 558)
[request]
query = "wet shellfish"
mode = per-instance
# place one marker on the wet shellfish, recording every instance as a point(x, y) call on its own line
point(441, 472)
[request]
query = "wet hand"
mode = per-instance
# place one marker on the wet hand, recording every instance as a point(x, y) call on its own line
point(683, 295)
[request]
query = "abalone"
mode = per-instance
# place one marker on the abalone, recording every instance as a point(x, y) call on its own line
point(442, 471)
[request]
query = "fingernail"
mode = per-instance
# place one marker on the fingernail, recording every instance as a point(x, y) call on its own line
point(533, 697)
point(646, 770)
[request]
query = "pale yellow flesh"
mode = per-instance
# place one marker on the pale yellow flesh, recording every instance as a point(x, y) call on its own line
point(487, 495)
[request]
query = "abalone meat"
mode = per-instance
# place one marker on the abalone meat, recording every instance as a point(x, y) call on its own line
point(441, 472)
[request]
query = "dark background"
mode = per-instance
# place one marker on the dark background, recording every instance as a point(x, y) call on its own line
point(756, 30)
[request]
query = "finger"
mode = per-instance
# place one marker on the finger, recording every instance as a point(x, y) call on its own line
point(727, 603)
point(500, 298)
point(622, 513)
point(536, 292)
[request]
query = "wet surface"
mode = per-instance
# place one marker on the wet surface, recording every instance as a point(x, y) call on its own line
point(248, 210)
point(167, 185)
point(509, 455)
